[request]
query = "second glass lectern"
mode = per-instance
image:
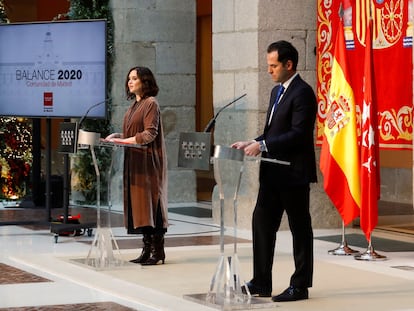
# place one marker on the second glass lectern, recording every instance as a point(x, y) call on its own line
point(227, 289)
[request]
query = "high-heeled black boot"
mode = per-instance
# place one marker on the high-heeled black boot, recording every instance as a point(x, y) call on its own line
point(146, 250)
point(157, 251)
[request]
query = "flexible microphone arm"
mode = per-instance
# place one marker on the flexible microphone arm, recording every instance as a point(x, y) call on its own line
point(212, 122)
point(89, 109)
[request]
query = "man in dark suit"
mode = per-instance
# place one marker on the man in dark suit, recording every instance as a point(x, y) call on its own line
point(288, 136)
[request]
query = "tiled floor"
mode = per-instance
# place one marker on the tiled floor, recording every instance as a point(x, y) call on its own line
point(25, 229)
point(38, 274)
point(11, 275)
point(99, 306)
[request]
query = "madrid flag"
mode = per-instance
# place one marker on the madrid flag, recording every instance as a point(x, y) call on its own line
point(340, 157)
point(369, 148)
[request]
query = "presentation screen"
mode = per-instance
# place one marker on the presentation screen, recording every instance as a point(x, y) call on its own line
point(55, 69)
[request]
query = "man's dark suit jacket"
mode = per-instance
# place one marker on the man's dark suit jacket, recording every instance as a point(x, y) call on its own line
point(289, 137)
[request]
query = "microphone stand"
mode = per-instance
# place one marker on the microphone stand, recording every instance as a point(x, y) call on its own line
point(212, 122)
point(91, 139)
point(89, 109)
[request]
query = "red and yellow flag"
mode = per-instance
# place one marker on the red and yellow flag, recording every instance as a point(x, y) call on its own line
point(392, 35)
point(340, 157)
point(370, 175)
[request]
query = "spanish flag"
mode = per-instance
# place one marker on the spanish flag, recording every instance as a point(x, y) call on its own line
point(370, 175)
point(340, 157)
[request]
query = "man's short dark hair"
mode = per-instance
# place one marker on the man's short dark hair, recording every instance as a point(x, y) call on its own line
point(286, 51)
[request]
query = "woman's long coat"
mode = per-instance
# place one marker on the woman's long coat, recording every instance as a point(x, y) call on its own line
point(145, 169)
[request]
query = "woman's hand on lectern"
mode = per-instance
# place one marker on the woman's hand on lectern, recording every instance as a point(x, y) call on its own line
point(113, 136)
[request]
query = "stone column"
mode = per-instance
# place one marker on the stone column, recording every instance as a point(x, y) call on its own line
point(242, 30)
point(159, 35)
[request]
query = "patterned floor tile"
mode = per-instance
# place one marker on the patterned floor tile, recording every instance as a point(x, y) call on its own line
point(99, 306)
point(12, 275)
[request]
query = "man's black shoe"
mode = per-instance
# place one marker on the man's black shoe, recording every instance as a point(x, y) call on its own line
point(256, 290)
point(292, 294)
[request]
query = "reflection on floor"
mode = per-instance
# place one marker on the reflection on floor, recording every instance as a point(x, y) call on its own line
point(178, 241)
point(192, 211)
point(38, 274)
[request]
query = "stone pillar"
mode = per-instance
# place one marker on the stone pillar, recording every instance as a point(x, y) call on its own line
point(242, 30)
point(159, 35)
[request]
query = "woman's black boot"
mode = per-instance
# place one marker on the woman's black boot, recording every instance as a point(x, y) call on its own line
point(157, 251)
point(146, 250)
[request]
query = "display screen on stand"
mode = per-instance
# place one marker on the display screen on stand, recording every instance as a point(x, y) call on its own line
point(53, 69)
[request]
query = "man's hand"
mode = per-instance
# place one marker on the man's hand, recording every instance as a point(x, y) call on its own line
point(250, 147)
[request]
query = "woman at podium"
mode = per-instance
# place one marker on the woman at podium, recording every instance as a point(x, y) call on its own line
point(145, 169)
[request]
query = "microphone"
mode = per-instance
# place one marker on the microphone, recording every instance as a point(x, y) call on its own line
point(212, 122)
point(89, 109)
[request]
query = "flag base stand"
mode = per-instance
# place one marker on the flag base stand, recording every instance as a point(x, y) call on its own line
point(370, 255)
point(343, 250)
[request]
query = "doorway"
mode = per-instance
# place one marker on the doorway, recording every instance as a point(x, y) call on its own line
point(204, 88)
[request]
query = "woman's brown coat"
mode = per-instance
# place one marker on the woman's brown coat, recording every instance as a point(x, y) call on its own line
point(145, 169)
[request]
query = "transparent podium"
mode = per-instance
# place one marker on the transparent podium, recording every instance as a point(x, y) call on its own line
point(227, 289)
point(104, 246)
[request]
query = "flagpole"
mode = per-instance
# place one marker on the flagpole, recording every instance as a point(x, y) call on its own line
point(343, 249)
point(370, 254)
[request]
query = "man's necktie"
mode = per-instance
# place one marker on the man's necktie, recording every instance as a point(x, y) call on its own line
point(279, 94)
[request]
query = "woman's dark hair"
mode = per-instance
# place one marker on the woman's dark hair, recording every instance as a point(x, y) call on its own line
point(286, 51)
point(149, 85)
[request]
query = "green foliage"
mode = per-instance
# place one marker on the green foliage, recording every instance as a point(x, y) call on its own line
point(3, 15)
point(86, 175)
point(83, 166)
point(15, 156)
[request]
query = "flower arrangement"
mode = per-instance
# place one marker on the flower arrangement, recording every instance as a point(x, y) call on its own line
point(15, 156)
